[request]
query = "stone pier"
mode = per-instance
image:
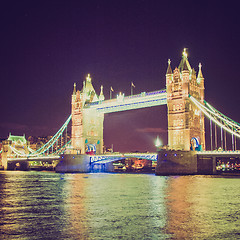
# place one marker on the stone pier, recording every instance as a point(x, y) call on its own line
point(74, 163)
point(174, 162)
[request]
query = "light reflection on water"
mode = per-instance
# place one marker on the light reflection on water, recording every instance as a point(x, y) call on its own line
point(47, 205)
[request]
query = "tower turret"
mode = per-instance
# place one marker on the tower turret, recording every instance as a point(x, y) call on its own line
point(88, 90)
point(74, 89)
point(169, 69)
point(184, 64)
point(101, 96)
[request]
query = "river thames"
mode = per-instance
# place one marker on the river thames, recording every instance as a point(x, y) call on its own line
point(48, 205)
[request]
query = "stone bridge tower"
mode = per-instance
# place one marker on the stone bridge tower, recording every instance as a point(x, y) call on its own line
point(185, 122)
point(87, 124)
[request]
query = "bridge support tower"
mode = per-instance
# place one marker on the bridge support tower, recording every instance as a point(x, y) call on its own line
point(186, 132)
point(185, 122)
point(87, 124)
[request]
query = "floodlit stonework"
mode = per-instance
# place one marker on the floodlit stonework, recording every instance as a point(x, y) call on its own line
point(87, 124)
point(185, 121)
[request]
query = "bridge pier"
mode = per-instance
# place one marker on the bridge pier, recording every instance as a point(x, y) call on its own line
point(16, 165)
point(74, 163)
point(174, 162)
point(177, 162)
point(206, 165)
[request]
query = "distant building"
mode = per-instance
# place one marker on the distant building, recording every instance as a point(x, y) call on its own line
point(14, 146)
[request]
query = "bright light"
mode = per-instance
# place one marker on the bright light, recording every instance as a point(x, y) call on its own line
point(158, 142)
point(88, 78)
point(184, 52)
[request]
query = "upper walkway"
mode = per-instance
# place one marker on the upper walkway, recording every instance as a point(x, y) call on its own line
point(122, 103)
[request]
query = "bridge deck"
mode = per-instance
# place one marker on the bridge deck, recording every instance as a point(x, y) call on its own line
point(40, 158)
point(115, 157)
point(219, 153)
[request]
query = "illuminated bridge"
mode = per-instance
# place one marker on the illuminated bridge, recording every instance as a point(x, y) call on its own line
point(187, 113)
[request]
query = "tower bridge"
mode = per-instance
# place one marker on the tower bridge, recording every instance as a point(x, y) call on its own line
point(187, 109)
point(185, 121)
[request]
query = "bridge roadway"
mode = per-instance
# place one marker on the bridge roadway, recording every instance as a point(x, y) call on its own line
point(94, 158)
point(41, 158)
point(119, 156)
point(106, 158)
point(219, 153)
point(154, 156)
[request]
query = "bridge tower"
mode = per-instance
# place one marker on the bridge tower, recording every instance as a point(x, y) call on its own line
point(185, 122)
point(87, 124)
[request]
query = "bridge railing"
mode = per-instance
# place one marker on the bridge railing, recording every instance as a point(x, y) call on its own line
point(119, 156)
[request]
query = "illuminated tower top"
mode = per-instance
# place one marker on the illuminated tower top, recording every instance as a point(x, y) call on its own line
point(101, 96)
point(200, 75)
point(185, 123)
point(184, 64)
point(169, 69)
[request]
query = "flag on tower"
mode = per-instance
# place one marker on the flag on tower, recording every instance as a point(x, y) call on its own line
point(132, 86)
point(111, 90)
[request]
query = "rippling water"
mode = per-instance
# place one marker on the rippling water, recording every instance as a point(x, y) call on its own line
point(47, 205)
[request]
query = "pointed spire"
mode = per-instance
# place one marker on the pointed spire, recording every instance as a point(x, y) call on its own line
point(88, 78)
point(184, 53)
point(200, 75)
point(101, 96)
point(74, 89)
point(169, 69)
point(193, 72)
point(185, 67)
point(184, 64)
point(88, 89)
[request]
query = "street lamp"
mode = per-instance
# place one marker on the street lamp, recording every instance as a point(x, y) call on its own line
point(158, 142)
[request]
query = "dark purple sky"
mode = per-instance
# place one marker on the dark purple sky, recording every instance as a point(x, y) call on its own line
point(46, 46)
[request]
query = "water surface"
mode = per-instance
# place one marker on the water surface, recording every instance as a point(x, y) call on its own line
point(48, 205)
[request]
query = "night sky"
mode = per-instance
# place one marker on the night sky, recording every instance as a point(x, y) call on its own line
point(46, 46)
